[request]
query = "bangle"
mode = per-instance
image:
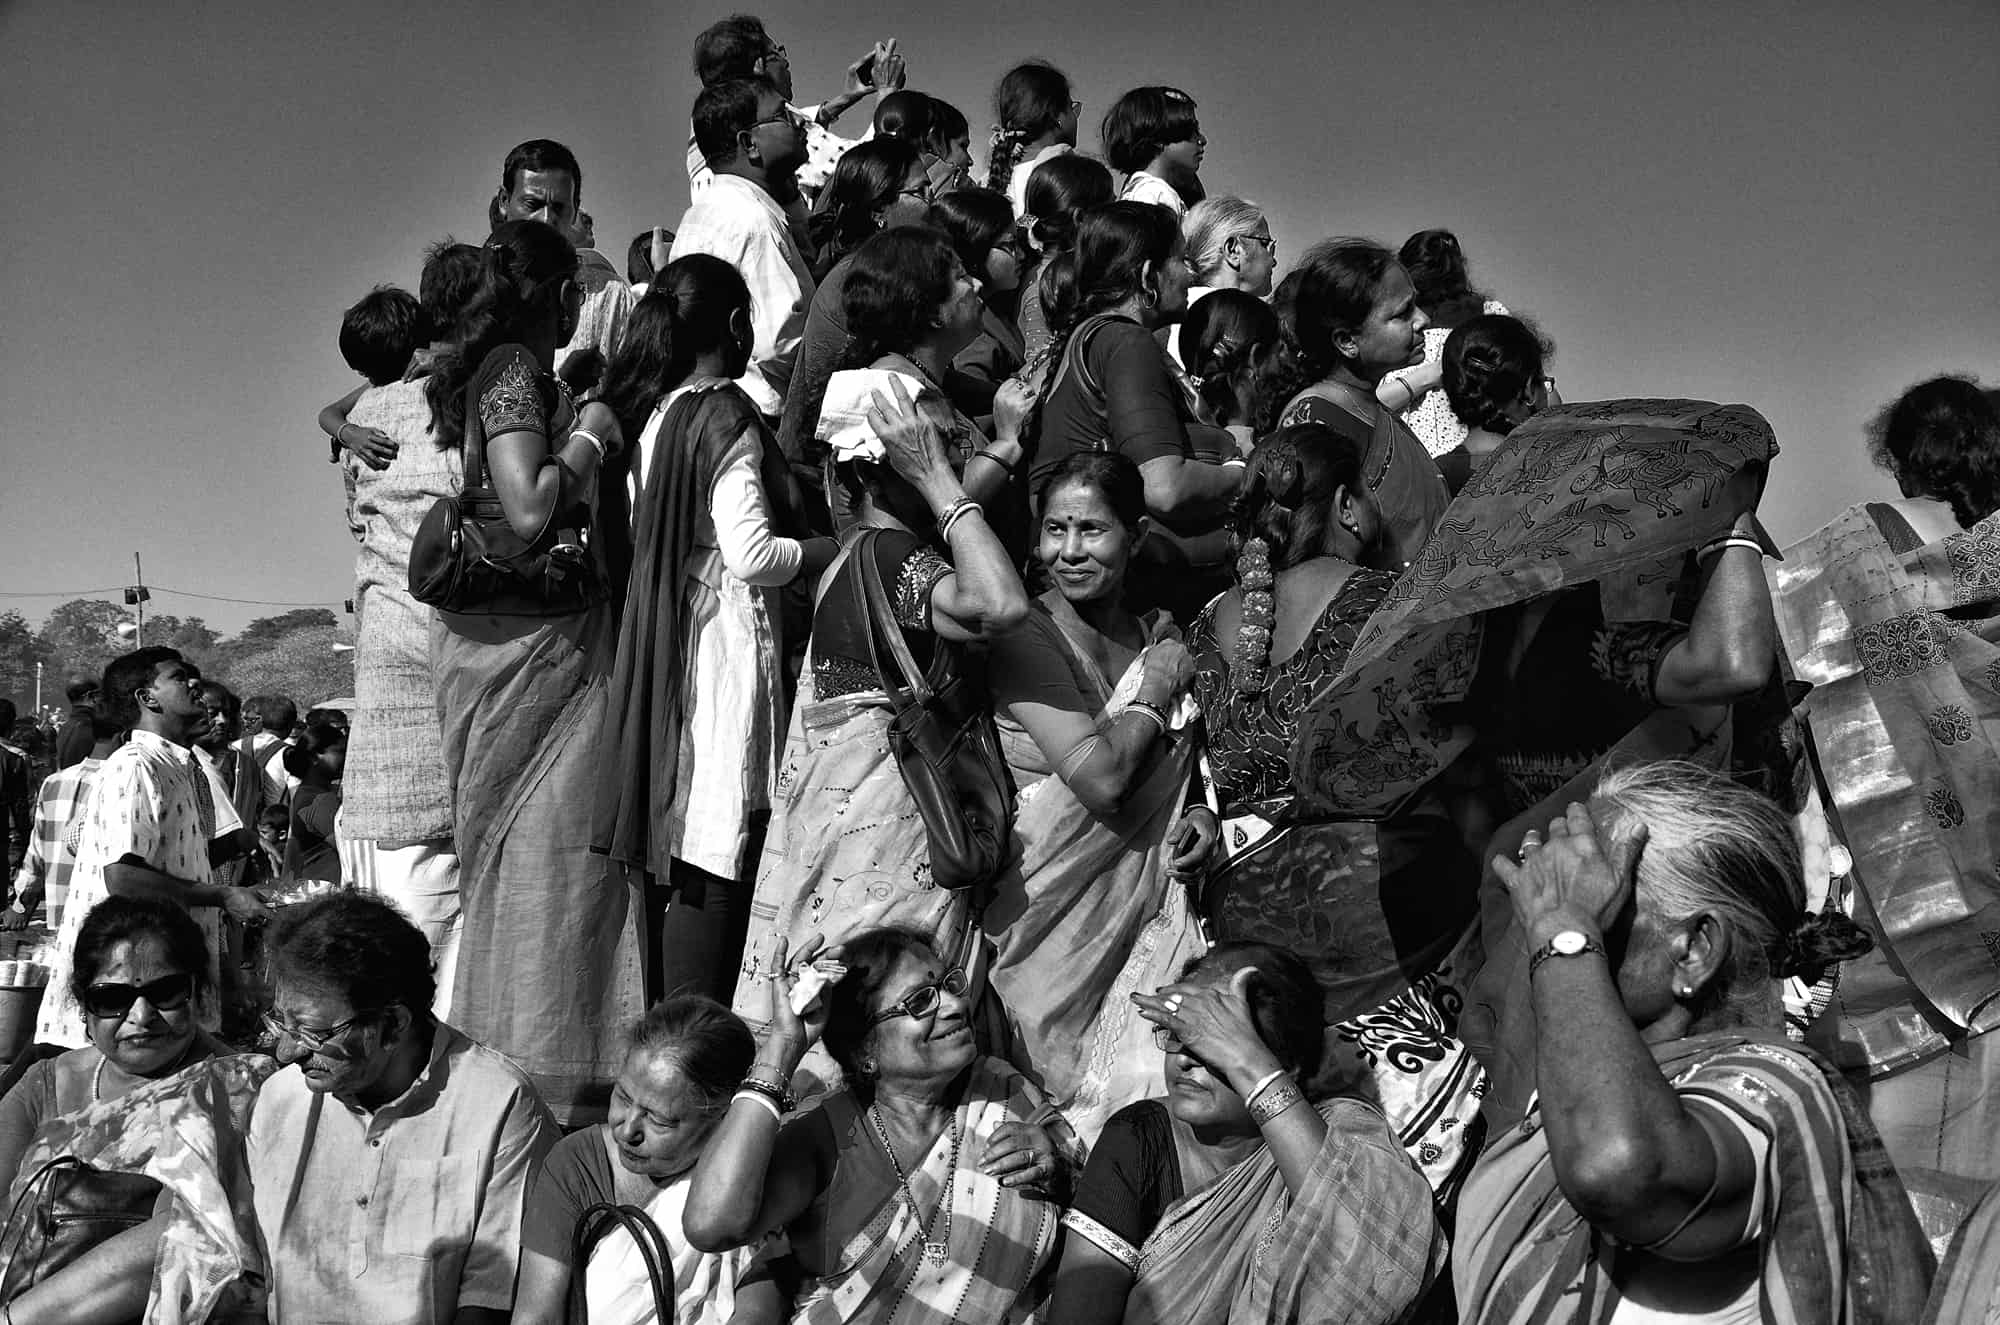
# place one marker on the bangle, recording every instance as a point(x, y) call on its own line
point(761, 1100)
point(596, 442)
point(1281, 1099)
point(953, 513)
point(1717, 546)
point(988, 455)
point(1150, 712)
point(775, 1091)
point(340, 433)
point(1262, 1082)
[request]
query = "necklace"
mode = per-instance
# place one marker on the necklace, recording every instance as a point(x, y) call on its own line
point(97, 1077)
point(935, 1249)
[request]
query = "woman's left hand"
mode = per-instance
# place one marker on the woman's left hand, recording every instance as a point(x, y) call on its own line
point(1011, 404)
point(1576, 876)
point(597, 417)
point(1213, 1022)
point(1192, 840)
point(1024, 1156)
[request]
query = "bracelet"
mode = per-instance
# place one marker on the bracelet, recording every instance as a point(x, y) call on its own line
point(1262, 1082)
point(340, 433)
point(596, 442)
point(988, 455)
point(1149, 711)
point(760, 1099)
point(953, 513)
point(1717, 546)
point(1281, 1099)
point(775, 1091)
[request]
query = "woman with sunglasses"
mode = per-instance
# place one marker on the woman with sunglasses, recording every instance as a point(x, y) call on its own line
point(140, 968)
point(922, 1189)
point(1237, 1197)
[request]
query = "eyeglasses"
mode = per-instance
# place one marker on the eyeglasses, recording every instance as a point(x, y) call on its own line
point(1270, 244)
point(312, 1042)
point(115, 1000)
point(923, 1000)
point(1170, 1043)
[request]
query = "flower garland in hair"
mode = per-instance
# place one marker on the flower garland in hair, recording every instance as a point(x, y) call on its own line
point(1252, 671)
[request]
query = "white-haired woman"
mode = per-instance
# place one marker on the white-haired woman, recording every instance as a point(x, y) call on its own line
point(1684, 1161)
point(1229, 247)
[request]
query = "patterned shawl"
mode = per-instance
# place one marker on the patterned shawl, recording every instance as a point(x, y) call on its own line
point(1002, 1241)
point(1610, 491)
point(703, 432)
point(1841, 1245)
point(1903, 654)
point(186, 1132)
point(1359, 1244)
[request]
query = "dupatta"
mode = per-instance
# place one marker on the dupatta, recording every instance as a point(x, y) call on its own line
point(1359, 1244)
point(709, 427)
point(1903, 655)
point(1841, 1246)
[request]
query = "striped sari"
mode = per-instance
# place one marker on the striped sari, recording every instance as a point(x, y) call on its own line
point(1840, 1244)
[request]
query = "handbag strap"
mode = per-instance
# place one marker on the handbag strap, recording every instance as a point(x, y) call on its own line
point(879, 619)
point(592, 1225)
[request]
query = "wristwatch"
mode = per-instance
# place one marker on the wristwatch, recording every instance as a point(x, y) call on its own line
point(1565, 943)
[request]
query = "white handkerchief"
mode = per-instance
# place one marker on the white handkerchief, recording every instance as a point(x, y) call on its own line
point(843, 413)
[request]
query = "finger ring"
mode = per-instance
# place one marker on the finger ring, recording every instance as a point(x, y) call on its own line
point(1174, 1003)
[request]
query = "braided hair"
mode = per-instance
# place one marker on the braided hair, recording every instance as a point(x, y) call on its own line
point(1030, 101)
point(1489, 363)
point(1225, 332)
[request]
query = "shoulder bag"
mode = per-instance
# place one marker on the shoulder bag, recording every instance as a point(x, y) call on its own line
point(591, 1227)
point(942, 737)
point(467, 557)
point(63, 1211)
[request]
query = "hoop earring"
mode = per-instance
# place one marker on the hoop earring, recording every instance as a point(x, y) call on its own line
point(1151, 298)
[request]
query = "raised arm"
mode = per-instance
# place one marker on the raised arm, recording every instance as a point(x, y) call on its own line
point(1632, 1158)
point(1731, 646)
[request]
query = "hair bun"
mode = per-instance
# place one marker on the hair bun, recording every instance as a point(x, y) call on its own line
point(1817, 943)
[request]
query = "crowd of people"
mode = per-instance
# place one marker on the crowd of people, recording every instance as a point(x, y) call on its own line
point(988, 753)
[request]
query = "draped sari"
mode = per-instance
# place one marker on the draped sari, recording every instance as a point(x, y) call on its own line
point(1002, 1240)
point(1087, 914)
point(1840, 1244)
point(185, 1132)
point(1358, 1244)
point(1615, 493)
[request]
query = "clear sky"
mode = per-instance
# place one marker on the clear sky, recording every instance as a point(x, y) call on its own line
point(1787, 204)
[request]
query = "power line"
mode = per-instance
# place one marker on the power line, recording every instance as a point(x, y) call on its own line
point(183, 593)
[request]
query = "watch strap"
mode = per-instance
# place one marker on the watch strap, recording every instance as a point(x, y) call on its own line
point(1549, 949)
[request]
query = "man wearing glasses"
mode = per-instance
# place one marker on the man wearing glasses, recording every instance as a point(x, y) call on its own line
point(738, 47)
point(150, 826)
point(391, 1167)
point(755, 143)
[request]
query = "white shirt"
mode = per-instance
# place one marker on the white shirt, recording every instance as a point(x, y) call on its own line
point(824, 148)
point(1144, 186)
point(149, 799)
point(735, 220)
point(1017, 183)
point(607, 304)
point(738, 507)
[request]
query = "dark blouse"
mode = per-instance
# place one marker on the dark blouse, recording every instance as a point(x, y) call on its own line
point(1125, 399)
point(910, 570)
point(513, 394)
point(1132, 1177)
point(1250, 737)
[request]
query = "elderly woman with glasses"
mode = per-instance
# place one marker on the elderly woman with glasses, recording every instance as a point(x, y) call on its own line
point(920, 1191)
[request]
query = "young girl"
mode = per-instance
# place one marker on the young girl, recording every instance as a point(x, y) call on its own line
point(1034, 114)
point(1152, 135)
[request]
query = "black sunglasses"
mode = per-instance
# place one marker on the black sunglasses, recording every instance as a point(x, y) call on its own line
point(115, 1000)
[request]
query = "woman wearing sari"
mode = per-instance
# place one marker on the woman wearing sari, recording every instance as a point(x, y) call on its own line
point(1091, 704)
point(695, 724)
point(847, 849)
point(920, 1193)
point(548, 963)
point(1350, 317)
point(1892, 614)
point(121, 1102)
point(981, 225)
point(1232, 1200)
point(1380, 902)
point(1684, 1161)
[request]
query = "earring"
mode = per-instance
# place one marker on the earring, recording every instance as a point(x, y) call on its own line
point(1151, 298)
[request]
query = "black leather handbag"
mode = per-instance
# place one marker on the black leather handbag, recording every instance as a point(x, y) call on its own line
point(63, 1211)
point(467, 556)
point(591, 1226)
point(943, 739)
